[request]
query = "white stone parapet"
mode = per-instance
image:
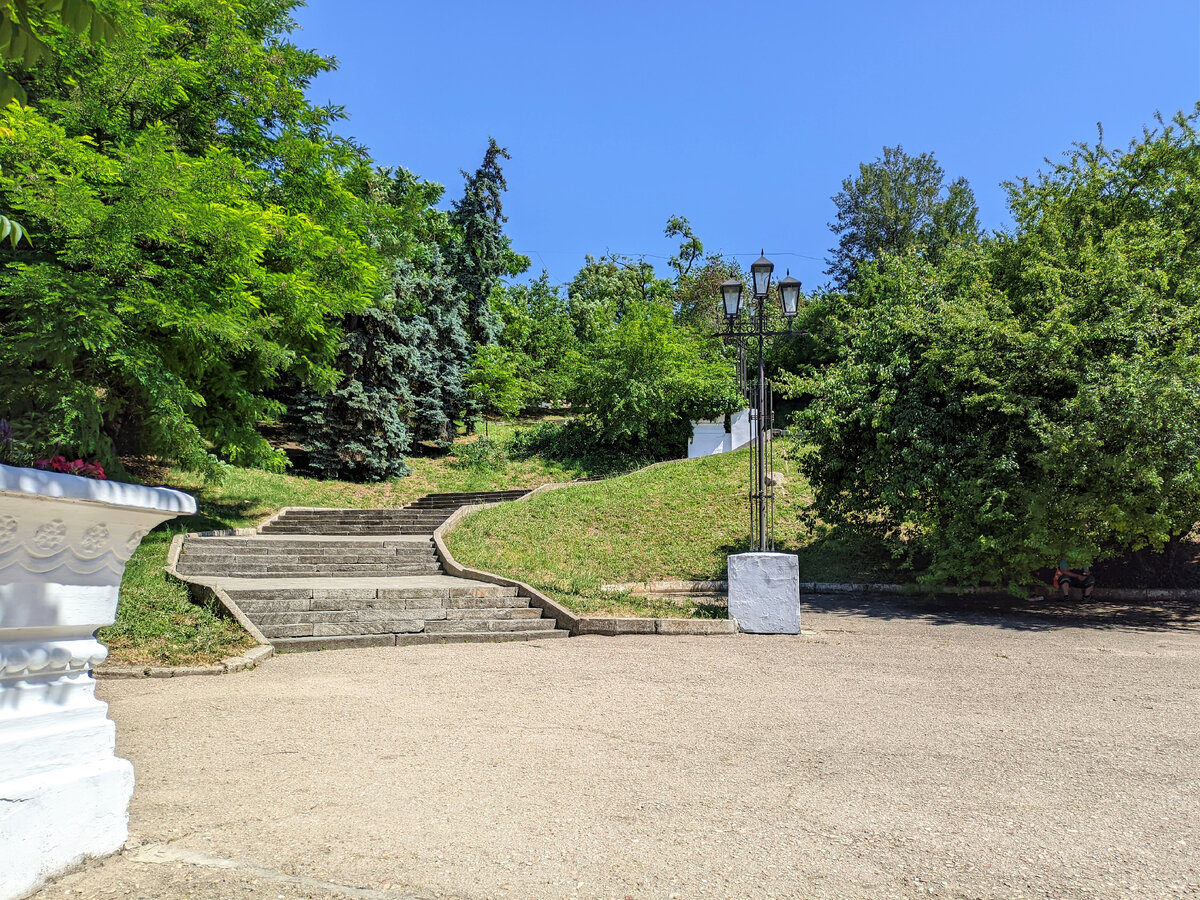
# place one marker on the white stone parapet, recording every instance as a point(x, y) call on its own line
point(711, 438)
point(64, 542)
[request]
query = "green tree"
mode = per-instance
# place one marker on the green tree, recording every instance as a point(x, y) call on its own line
point(1032, 397)
point(644, 381)
point(538, 328)
point(605, 287)
point(196, 243)
point(482, 253)
point(22, 24)
point(896, 203)
point(404, 360)
point(497, 381)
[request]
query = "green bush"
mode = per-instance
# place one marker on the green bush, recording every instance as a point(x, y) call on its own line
point(482, 455)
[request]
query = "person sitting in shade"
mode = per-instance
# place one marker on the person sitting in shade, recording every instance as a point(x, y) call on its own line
point(1066, 578)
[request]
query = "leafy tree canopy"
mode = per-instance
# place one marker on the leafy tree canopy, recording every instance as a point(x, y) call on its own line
point(1033, 397)
point(896, 203)
point(195, 237)
point(647, 379)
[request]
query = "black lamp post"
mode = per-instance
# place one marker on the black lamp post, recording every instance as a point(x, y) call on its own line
point(762, 495)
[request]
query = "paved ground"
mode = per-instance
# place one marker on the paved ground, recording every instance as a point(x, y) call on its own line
point(889, 753)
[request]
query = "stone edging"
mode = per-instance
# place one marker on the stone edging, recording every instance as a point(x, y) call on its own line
point(566, 619)
point(208, 595)
point(1144, 595)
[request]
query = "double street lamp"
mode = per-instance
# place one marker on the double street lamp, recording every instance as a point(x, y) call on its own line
point(762, 494)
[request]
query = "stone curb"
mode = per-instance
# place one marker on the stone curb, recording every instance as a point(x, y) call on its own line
point(567, 620)
point(203, 594)
point(667, 587)
point(248, 660)
point(564, 618)
point(612, 627)
point(831, 587)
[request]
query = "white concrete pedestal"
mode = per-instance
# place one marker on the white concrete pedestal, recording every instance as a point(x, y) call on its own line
point(64, 542)
point(764, 592)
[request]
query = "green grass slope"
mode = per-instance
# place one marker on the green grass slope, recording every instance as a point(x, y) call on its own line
point(674, 521)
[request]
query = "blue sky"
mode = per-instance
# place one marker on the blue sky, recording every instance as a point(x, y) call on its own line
point(744, 117)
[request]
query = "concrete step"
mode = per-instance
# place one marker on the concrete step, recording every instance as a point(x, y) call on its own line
point(450, 626)
point(357, 523)
point(322, 529)
point(320, 542)
point(345, 642)
point(387, 613)
point(510, 493)
point(290, 600)
point(332, 570)
point(348, 548)
point(225, 558)
point(353, 515)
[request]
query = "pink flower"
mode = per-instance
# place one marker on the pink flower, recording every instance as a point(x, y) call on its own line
point(72, 467)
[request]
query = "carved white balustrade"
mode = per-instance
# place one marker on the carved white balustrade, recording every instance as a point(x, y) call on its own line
point(64, 542)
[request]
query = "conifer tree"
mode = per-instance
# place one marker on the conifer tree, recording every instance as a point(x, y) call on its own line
point(482, 253)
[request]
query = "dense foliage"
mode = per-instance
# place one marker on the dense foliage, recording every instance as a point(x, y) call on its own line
point(1033, 397)
point(193, 238)
point(645, 380)
point(897, 203)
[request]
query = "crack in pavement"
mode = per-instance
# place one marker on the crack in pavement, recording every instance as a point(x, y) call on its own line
point(165, 854)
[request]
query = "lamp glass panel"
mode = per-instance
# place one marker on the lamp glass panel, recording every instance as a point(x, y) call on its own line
point(731, 296)
point(789, 295)
point(761, 270)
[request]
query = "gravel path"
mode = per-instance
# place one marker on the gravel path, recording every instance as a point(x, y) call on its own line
point(888, 753)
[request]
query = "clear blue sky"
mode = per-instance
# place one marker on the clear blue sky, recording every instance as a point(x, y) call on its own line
point(744, 117)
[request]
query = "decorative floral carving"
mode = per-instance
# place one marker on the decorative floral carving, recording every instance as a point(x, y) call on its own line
point(50, 535)
point(135, 538)
point(8, 530)
point(95, 538)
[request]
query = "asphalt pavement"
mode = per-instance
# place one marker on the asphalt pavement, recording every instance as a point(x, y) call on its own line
point(889, 751)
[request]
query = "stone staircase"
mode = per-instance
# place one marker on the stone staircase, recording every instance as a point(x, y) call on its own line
point(421, 516)
point(315, 579)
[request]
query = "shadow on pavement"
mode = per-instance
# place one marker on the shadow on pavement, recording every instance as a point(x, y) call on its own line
point(1015, 613)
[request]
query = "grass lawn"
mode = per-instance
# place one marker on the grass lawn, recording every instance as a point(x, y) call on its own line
point(677, 521)
point(156, 622)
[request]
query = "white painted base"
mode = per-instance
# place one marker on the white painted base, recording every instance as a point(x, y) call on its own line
point(52, 821)
point(64, 542)
point(764, 592)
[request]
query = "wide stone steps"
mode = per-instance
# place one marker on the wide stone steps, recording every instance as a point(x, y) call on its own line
point(333, 528)
point(445, 608)
point(463, 498)
point(251, 558)
point(324, 579)
point(351, 641)
point(422, 516)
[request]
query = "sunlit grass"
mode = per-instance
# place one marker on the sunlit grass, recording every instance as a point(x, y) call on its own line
point(675, 522)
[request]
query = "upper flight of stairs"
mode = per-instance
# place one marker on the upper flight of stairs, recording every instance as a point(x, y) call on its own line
point(317, 579)
point(421, 516)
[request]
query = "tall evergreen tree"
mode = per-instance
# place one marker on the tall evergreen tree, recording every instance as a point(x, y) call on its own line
point(482, 253)
point(405, 359)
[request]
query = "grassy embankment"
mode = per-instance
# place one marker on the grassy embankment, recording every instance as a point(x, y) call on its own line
point(678, 521)
point(158, 625)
